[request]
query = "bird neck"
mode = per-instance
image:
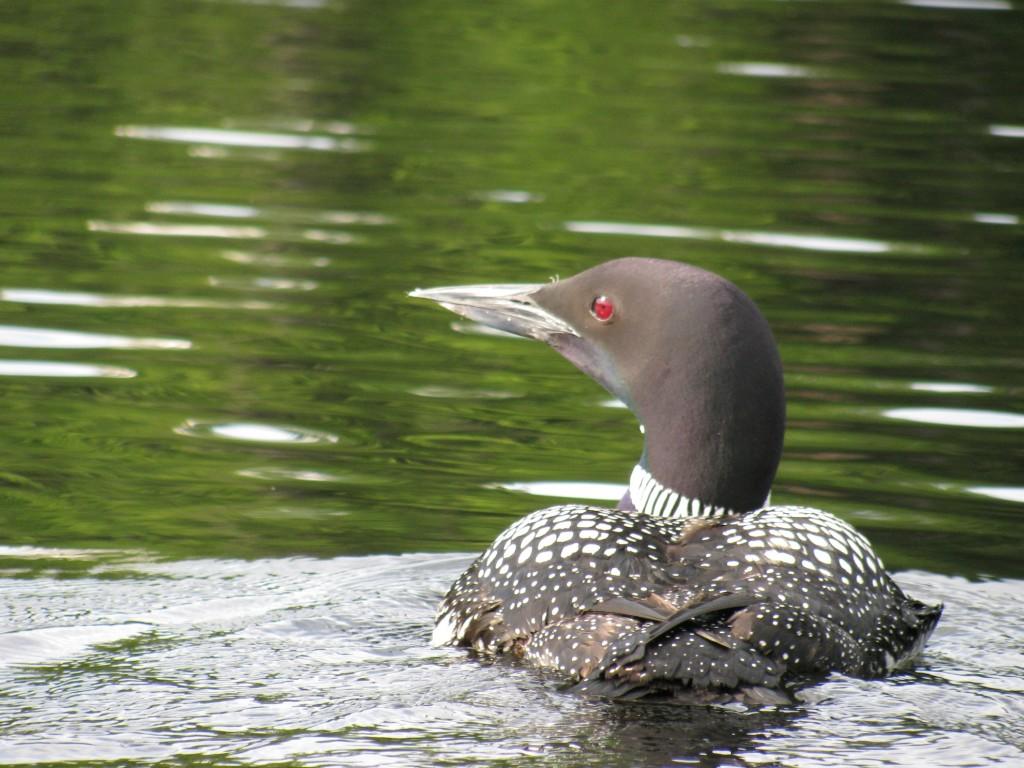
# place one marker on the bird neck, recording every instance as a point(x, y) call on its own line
point(713, 449)
point(651, 497)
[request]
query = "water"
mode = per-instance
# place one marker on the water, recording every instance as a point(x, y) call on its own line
point(239, 467)
point(271, 661)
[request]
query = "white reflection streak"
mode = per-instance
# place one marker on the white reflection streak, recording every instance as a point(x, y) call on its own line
point(770, 239)
point(176, 230)
point(273, 260)
point(1003, 493)
point(807, 242)
point(1007, 131)
point(568, 490)
point(53, 369)
point(226, 211)
point(1001, 219)
point(253, 432)
point(51, 338)
point(304, 4)
point(82, 299)
point(766, 69)
point(949, 387)
point(261, 433)
point(353, 217)
point(278, 473)
point(232, 138)
point(218, 210)
point(962, 5)
point(958, 417)
point(460, 393)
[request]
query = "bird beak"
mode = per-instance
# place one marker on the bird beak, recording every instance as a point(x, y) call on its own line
point(509, 308)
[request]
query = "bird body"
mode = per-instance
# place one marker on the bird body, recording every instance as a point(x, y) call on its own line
point(695, 587)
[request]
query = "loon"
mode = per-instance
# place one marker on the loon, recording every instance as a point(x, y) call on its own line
point(695, 588)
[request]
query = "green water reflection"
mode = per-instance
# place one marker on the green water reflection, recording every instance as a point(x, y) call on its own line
point(263, 183)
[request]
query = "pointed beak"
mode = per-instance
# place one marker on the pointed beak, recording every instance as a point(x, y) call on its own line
point(508, 308)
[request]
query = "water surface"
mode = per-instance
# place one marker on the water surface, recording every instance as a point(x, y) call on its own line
point(239, 467)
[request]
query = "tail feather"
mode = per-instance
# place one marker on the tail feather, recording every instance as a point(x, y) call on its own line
point(692, 649)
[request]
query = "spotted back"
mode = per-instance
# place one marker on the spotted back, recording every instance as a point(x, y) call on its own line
point(551, 564)
point(631, 604)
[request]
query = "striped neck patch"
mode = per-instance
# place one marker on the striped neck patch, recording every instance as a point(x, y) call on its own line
point(652, 498)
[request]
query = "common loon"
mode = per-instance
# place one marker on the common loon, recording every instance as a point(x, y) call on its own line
point(694, 587)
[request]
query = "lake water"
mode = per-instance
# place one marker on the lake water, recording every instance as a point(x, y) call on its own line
point(239, 467)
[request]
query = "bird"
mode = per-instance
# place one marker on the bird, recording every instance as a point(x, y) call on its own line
point(694, 588)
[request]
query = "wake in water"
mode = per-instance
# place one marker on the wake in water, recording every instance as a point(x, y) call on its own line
point(328, 661)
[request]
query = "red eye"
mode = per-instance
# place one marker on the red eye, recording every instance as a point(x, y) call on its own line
point(602, 308)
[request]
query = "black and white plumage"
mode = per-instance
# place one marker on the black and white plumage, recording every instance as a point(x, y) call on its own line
point(694, 587)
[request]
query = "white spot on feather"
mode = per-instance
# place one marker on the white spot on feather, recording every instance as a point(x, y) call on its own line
point(774, 556)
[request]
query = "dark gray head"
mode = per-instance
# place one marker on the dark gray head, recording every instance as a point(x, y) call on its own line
point(685, 349)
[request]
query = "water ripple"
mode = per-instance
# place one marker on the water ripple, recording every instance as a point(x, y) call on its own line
point(42, 646)
point(327, 662)
point(253, 432)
